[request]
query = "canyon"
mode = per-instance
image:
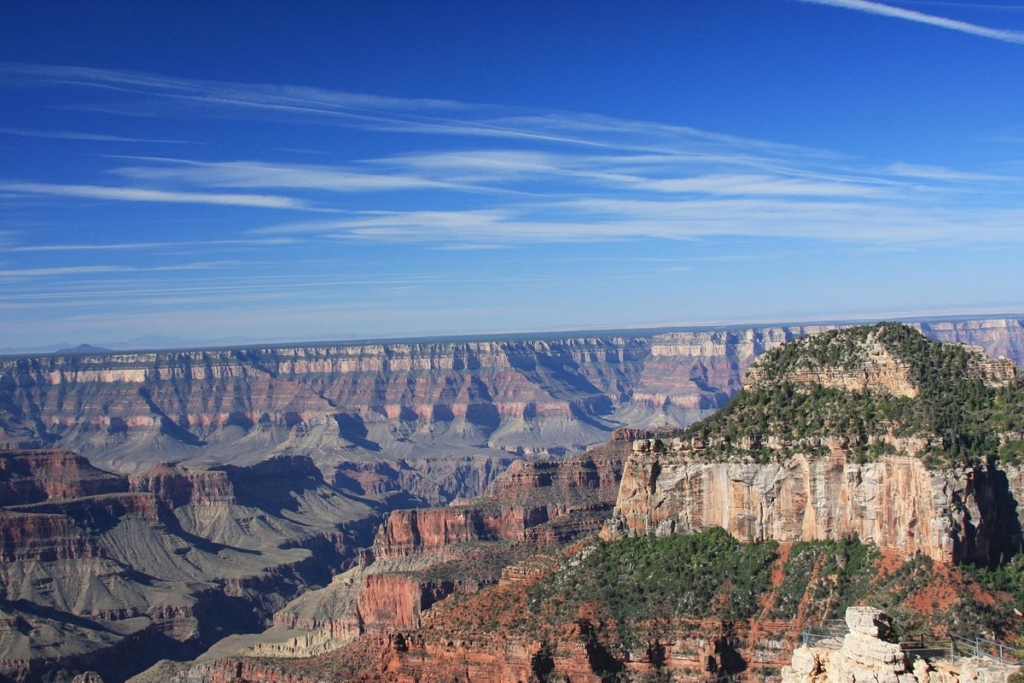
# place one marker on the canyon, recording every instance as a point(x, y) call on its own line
point(245, 479)
point(875, 484)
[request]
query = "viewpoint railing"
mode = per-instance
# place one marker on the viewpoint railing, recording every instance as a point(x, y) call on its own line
point(955, 646)
point(829, 630)
point(979, 647)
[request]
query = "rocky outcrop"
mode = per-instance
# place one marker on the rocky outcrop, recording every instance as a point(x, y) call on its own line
point(870, 654)
point(780, 463)
point(421, 556)
point(878, 370)
point(414, 532)
point(33, 476)
point(392, 601)
point(426, 481)
point(567, 497)
point(176, 487)
point(354, 403)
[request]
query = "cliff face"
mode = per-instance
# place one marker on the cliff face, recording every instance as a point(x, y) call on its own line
point(948, 515)
point(406, 399)
point(542, 501)
point(411, 532)
point(33, 476)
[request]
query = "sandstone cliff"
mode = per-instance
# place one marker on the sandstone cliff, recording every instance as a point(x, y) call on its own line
point(421, 556)
point(949, 515)
point(543, 502)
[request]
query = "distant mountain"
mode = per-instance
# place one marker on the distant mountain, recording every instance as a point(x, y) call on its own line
point(84, 348)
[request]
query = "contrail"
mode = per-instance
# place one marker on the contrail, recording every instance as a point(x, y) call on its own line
point(922, 18)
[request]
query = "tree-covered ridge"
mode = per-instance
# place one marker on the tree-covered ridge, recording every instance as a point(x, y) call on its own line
point(957, 416)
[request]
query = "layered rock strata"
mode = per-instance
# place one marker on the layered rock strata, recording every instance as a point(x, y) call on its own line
point(421, 556)
point(375, 403)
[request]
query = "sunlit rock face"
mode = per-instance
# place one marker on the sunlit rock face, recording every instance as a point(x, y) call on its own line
point(868, 654)
point(897, 503)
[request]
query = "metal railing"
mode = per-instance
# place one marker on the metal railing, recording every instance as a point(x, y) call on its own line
point(956, 646)
point(979, 647)
point(832, 629)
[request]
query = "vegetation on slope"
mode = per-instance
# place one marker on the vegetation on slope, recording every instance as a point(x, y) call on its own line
point(954, 408)
point(693, 576)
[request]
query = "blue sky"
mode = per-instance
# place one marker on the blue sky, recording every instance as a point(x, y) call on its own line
point(281, 172)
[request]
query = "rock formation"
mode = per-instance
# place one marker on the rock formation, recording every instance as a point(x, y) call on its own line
point(877, 483)
point(695, 606)
point(897, 503)
point(520, 630)
point(870, 654)
point(544, 502)
point(421, 556)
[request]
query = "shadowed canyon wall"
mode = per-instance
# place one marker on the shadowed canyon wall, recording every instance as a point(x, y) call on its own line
point(109, 573)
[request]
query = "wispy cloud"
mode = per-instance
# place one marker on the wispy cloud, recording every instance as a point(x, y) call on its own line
point(152, 246)
point(536, 176)
point(1005, 35)
point(760, 185)
point(611, 219)
point(940, 173)
point(252, 174)
point(971, 4)
point(135, 194)
point(152, 95)
point(109, 269)
point(226, 93)
point(58, 271)
point(74, 135)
